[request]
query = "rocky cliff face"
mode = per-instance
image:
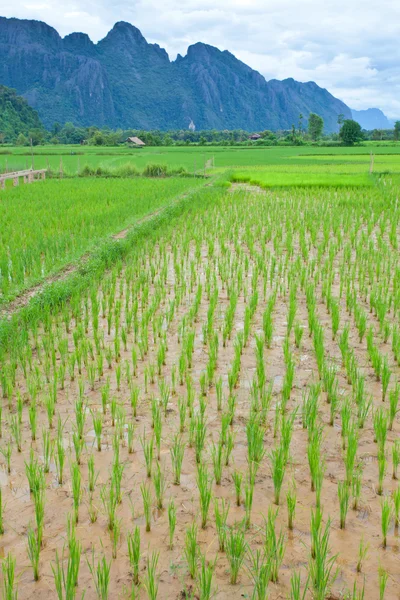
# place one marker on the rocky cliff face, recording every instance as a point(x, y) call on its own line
point(123, 81)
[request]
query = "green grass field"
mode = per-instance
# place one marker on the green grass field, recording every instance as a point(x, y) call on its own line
point(47, 224)
point(75, 158)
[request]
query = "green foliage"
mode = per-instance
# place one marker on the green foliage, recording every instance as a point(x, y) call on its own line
point(315, 126)
point(350, 132)
point(18, 121)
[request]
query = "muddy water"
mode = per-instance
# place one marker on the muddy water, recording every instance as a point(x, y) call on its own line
point(363, 523)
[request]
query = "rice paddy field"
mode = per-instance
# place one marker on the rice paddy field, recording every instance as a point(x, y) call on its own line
point(211, 408)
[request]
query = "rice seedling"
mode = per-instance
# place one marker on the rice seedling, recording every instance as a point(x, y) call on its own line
point(386, 373)
point(171, 521)
point(386, 517)
point(101, 575)
point(217, 460)
point(65, 580)
point(393, 405)
point(199, 436)
point(383, 576)
point(76, 479)
point(248, 494)
point(6, 451)
point(98, 428)
point(396, 506)
point(344, 497)
point(34, 552)
point(15, 427)
point(356, 485)
point(182, 408)
point(130, 432)
point(382, 465)
point(10, 587)
point(115, 537)
point(291, 501)
point(237, 477)
point(260, 572)
point(275, 544)
point(218, 390)
point(92, 475)
point(151, 580)
point(147, 502)
point(148, 451)
point(205, 578)
point(278, 457)
point(204, 484)
point(159, 486)
point(298, 334)
point(321, 568)
point(395, 457)
point(314, 455)
point(177, 451)
point(362, 554)
point(109, 499)
point(133, 541)
point(295, 587)
point(50, 408)
point(236, 548)
point(221, 515)
point(191, 550)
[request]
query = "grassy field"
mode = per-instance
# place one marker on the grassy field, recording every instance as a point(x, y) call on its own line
point(210, 407)
point(47, 224)
point(74, 159)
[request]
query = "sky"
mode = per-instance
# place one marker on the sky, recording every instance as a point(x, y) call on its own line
point(350, 47)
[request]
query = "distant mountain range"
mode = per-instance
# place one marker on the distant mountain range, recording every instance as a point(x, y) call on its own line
point(123, 81)
point(372, 118)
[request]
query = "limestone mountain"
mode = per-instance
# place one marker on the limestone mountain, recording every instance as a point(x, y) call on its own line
point(372, 118)
point(124, 81)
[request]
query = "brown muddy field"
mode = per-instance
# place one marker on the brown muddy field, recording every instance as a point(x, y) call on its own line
point(174, 580)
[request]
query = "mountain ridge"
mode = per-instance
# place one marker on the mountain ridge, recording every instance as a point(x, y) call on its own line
point(124, 81)
point(372, 118)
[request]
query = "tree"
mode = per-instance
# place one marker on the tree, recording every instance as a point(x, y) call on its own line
point(350, 132)
point(36, 136)
point(315, 126)
point(377, 134)
point(21, 140)
point(396, 134)
point(340, 119)
point(301, 124)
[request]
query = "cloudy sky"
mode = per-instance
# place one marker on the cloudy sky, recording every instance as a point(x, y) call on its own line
point(350, 47)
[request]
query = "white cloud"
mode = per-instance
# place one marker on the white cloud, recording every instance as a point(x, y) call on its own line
point(348, 46)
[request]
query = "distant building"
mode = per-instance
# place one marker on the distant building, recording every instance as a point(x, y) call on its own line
point(255, 136)
point(192, 126)
point(135, 141)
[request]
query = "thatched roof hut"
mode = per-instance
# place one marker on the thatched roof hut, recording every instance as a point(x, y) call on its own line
point(135, 141)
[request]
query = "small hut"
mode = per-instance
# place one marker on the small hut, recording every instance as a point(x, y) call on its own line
point(255, 136)
point(135, 141)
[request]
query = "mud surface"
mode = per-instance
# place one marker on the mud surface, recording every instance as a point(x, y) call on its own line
point(365, 522)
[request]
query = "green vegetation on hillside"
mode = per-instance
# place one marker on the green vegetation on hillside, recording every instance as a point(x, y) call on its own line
point(18, 121)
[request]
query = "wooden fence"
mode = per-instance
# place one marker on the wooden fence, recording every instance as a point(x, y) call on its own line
point(28, 175)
